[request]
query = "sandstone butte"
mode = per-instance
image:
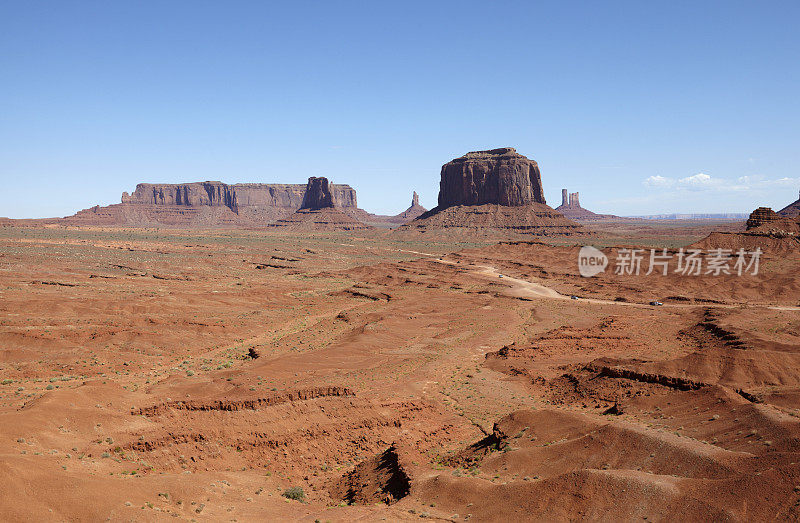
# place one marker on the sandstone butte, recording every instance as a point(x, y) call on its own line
point(498, 176)
point(487, 191)
point(318, 211)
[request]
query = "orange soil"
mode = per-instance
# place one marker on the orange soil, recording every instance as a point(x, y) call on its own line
point(146, 374)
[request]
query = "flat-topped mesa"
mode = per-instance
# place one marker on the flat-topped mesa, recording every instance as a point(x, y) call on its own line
point(497, 176)
point(214, 194)
point(234, 196)
point(318, 194)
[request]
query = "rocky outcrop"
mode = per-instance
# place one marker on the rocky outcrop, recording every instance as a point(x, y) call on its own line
point(761, 216)
point(209, 204)
point(498, 176)
point(381, 220)
point(766, 230)
point(318, 194)
point(323, 219)
point(319, 213)
point(235, 196)
point(536, 219)
point(491, 193)
point(571, 208)
point(791, 211)
point(412, 212)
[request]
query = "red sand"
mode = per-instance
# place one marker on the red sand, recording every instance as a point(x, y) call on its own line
point(147, 374)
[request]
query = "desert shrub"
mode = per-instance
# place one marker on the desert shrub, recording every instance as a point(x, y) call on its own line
point(294, 493)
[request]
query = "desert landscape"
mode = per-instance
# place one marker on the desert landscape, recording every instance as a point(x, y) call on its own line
point(455, 367)
point(399, 261)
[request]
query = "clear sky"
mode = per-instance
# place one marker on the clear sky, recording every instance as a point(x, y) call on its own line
point(642, 106)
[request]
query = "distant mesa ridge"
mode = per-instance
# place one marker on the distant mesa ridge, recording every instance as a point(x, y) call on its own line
point(218, 194)
point(735, 216)
point(217, 204)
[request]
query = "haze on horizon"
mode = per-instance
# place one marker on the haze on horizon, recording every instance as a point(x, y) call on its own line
point(684, 107)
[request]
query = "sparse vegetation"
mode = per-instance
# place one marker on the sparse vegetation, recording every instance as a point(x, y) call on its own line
point(295, 493)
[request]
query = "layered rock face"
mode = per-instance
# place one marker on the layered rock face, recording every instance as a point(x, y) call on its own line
point(209, 204)
point(318, 194)
point(319, 212)
point(218, 194)
point(761, 216)
point(765, 221)
point(498, 176)
point(496, 192)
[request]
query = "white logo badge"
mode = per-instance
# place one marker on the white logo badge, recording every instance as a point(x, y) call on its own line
point(591, 261)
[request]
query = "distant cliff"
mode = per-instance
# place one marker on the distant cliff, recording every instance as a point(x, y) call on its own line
point(218, 194)
point(571, 208)
point(208, 204)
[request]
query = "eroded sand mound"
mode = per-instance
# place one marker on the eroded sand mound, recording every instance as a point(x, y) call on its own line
point(768, 241)
point(533, 219)
point(328, 219)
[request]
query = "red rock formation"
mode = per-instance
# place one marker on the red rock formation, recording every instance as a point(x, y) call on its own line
point(492, 192)
point(318, 194)
point(240, 195)
point(381, 220)
point(761, 216)
point(499, 176)
point(318, 212)
point(207, 204)
point(571, 208)
point(534, 219)
point(792, 210)
point(412, 212)
point(324, 219)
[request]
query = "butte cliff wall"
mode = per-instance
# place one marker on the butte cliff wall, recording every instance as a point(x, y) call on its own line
point(493, 192)
point(319, 212)
point(208, 204)
point(235, 196)
point(498, 176)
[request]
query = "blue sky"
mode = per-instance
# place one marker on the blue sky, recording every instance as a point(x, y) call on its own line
point(643, 107)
